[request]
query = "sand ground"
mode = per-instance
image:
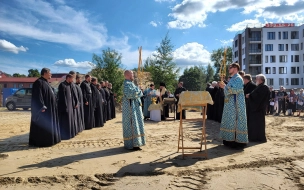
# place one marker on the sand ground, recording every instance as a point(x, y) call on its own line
point(95, 159)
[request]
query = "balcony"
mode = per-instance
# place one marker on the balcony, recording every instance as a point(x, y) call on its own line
point(255, 63)
point(255, 51)
point(256, 39)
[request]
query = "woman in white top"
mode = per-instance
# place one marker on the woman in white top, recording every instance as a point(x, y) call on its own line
point(300, 104)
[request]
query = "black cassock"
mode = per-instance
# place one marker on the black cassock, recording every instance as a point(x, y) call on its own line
point(66, 99)
point(80, 116)
point(178, 91)
point(97, 101)
point(218, 106)
point(248, 88)
point(44, 129)
point(165, 112)
point(112, 99)
point(108, 106)
point(258, 100)
point(89, 120)
point(104, 105)
point(76, 111)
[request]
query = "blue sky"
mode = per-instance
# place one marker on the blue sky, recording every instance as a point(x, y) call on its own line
point(63, 34)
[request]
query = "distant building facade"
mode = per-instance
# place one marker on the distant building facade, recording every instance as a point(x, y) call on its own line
point(275, 50)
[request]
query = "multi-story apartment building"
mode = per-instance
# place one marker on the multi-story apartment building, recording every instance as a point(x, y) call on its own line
point(275, 50)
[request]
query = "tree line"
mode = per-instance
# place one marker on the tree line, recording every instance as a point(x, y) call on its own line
point(160, 65)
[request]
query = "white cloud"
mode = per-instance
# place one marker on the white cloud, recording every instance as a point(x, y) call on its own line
point(153, 23)
point(242, 25)
point(73, 64)
point(226, 42)
point(191, 13)
point(191, 54)
point(8, 46)
point(62, 24)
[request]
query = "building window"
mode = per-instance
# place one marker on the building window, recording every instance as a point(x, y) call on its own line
point(303, 32)
point(266, 59)
point(20, 85)
point(294, 47)
point(286, 47)
point(282, 70)
point(297, 58)
point(291, 58)
point(295, 70)
point(279, 35)
point(268, 47)
point(271, 35)
point(294, 34)
point(14, 85)
point(31, 85)
point(236, 54)
point(302, 46)
point(301, 81)
point(269, 82)
point(281, 81)
point(303, 57)
point(294, 81)
point(283, 58)
point(272, 59)
point(274, 70)
point(5, 86)
point(285, 35)
point(267, 70)
point(243, 52)
point(287, 81)
point(236, 43)
point(281, 47)
point(243, 40)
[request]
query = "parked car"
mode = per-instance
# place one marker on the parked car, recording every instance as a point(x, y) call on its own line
point(20, 99)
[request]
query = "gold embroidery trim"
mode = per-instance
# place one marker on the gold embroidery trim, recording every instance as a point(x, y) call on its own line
point(129, 138)
point(232, 131)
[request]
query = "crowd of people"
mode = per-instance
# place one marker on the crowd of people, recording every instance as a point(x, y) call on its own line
point(240, 105)
point(150, 93)
point(77, 106)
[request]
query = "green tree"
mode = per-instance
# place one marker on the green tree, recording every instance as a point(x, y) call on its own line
point(161, 65)
point(18, 75)
point(108, 67)
point(209, 73)
point(33, 73)
point(217, 56)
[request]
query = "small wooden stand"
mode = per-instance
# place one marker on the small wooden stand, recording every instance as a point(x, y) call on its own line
point(203, 136)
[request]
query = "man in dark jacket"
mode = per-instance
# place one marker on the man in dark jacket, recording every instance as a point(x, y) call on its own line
point(177, 92)
point(249, 86)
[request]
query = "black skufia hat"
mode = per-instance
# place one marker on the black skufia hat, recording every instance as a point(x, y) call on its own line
point(162, 84)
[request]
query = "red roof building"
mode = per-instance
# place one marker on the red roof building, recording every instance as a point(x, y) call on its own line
point(22, 82)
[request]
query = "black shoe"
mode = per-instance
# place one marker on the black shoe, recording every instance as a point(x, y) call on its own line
point(136, 148)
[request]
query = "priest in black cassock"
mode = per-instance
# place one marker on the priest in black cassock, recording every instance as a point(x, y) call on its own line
point(249, 86)
point(163, 94)
point(76, 111)
point(80, 99)
point(67, 102)
point(104, 104)
point(44, 129)
point(107, 100)
point(218, 107)
point(177, 92)
point(97, 99)
point(258, 100)
point(112, 95)
point(89, 120)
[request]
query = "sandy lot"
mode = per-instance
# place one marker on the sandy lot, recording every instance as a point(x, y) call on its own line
point(95, 159)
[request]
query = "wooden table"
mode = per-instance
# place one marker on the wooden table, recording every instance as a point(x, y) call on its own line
point(193, 100)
